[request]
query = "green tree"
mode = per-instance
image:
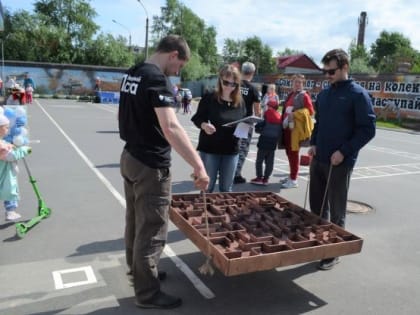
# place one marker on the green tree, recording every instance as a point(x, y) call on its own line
point(251, 49)
point(62, 32)
point(415, 68)
point(110, 51)
point(71, 18)
point(289, 52)
point(19, 43)
point(232, 50)
point(208, 50)
point(194, 69)
point(359, 59)
point(390, 49)
point(176, 18)
point(260, 54)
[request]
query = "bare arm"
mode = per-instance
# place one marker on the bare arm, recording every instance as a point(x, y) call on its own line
point(178, 139)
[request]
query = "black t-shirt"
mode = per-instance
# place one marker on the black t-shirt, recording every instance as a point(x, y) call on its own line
point(250, 95)
point(143, 88)
point(222, 141)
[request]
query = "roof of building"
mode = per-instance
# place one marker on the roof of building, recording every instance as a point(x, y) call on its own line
point(296, 61)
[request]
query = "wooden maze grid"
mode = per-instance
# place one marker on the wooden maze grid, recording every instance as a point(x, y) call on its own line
point(254, 231)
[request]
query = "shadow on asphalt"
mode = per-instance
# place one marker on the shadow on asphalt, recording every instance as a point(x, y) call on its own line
point(274, 291)
point(107, 131)
point(111, 165)
point(99, 247)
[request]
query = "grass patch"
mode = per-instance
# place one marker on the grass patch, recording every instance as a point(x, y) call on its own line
point(388, 124)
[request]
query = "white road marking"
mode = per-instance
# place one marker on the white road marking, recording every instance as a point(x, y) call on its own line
point(178, 262)
point(282, 165)
point(58, 277)
point(106, 108)
point(205, 291)
point(101, 177)
point(65, 106)
point(404, 154)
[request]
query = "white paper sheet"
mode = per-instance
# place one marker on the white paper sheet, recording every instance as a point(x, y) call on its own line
point(242, 130)
point(248, 119)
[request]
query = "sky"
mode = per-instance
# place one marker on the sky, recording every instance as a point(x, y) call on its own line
point(313, 27)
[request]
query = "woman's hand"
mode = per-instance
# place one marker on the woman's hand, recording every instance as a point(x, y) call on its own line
point(312, 151)
point(208, 128)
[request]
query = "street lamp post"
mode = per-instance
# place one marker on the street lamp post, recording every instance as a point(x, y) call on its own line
point(3, 91)
point(146, 44)
point(129, 33)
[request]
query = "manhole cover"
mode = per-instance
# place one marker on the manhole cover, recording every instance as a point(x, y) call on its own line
point(358, 207)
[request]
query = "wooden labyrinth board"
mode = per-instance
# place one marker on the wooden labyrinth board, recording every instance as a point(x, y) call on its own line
point(255, 231)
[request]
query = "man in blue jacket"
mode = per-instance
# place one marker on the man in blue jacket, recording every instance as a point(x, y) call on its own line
point(345, 122)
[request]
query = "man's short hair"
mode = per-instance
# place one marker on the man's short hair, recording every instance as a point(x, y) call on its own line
point(248, 68)
point(338, 55)
point(174, 42)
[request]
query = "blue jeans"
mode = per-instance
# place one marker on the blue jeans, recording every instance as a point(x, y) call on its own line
point(243, 152)
point(222, 165)
point(10, 205)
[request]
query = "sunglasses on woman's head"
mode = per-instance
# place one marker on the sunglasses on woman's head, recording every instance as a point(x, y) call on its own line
point(228, 83)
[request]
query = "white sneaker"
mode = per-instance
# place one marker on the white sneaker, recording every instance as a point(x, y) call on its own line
point(282, 181)
point(12, 216)
point(290, 184)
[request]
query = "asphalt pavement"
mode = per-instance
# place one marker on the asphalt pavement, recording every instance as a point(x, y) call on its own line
point(73, 261)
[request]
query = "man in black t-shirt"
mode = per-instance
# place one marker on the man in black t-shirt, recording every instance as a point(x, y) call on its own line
point(149, 127)
point(252, 101)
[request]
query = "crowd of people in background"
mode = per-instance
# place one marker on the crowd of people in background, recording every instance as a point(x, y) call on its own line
point(335, 127)
point(16, 93)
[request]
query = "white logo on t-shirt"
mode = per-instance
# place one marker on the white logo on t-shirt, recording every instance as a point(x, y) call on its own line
point(130, 84)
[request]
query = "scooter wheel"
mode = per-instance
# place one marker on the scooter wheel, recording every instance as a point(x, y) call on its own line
point(21, 229)
point(45, 212)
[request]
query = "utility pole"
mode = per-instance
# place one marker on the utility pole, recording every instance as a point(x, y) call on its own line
point(146, 44)
point(362, 27)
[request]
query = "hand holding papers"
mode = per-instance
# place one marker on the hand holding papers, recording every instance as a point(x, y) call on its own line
point(242, 130)
point(247, 120)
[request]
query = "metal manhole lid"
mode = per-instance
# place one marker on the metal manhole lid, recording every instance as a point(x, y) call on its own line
point(358, 207)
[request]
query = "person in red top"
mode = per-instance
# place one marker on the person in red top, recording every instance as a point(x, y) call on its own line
point(270, 131)
point(271, 98)
point(297, 103)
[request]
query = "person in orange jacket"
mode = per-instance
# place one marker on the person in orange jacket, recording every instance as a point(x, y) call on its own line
point(297, 124)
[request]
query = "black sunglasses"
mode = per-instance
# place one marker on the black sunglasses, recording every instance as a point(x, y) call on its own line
point(231, 84)
point(330, 71)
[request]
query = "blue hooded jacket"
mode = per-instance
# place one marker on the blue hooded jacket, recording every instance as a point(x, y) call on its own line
point(344, 121)
point(9, 189)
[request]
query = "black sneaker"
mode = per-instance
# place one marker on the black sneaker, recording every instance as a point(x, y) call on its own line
point(329, 263)
point(160, 300)
point(239, 180)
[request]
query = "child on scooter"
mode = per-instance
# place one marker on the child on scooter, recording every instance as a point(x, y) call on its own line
point(9, 154)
